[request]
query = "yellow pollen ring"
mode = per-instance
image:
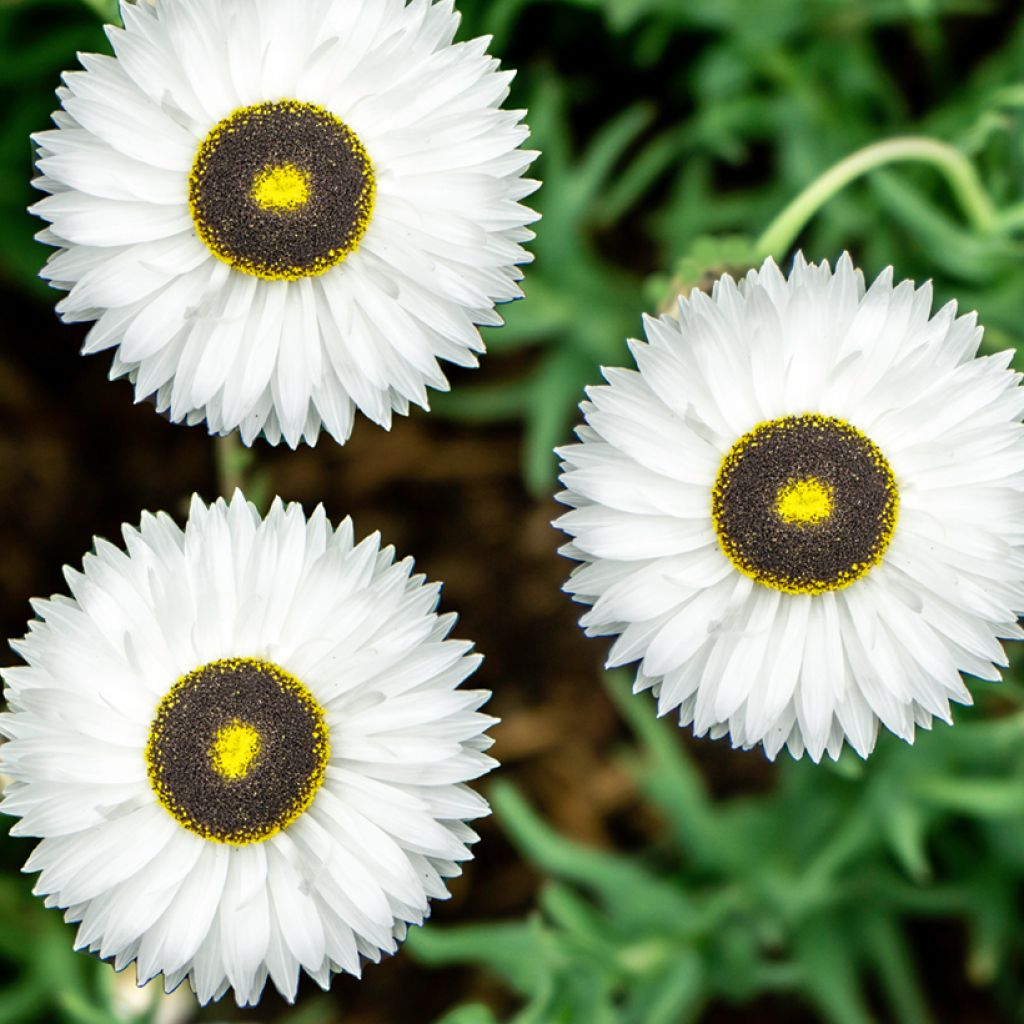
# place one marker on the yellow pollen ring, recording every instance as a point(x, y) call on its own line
point(234, 749)
point(284, 187)
point(804, 501)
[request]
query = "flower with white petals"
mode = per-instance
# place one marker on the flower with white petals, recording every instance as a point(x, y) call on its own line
point(277, 213)
point(245, 748)
point(803, 513)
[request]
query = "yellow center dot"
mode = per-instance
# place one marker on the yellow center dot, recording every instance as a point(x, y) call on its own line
point(284, 187)
point(804, 501)
point(234, 749)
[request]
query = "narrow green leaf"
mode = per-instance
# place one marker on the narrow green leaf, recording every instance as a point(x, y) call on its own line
point(78, 1010)
point(555, 390)
point(620, 883)
point(514, 951)
point(672, 781)
point(975, 797)
point(906, 828)
point(484, 403)
point(676, 996)
point(887, 949)
point(830, 979)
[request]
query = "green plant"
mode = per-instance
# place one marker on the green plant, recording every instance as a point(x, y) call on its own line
point(808, 890)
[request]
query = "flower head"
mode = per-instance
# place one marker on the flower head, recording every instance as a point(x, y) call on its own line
point(802, 513)
point(277, 213)
point(244, 747)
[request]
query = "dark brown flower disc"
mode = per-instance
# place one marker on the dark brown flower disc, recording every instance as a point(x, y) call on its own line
point(237, 750)
point(805, 504)
point(281, 190)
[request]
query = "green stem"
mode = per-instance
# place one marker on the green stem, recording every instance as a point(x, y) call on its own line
point(232, 461)
point(959, 172)
point(238, 467)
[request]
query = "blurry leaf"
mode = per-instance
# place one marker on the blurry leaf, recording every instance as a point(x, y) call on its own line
point(994, 797)
point(958, 251)
point(676, 997)
point(513, 951)
point(607, 149)
point(886, 947)
point(486, 402)
point(906, 827)
point(619, 882)
point(79, 1011)
point(994, 923)
point(106, 9)
point(468, 1015)
point(829, 973)
point(670, 779)
point(550, 416)
point(641, 174)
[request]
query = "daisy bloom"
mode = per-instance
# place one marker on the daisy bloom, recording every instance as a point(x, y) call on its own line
point(802, 513)
point(244, 748)
point(277, 213)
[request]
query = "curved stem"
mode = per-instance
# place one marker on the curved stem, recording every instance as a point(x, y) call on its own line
point(958, 171)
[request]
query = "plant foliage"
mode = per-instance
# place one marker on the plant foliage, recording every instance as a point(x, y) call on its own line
point(810, 890)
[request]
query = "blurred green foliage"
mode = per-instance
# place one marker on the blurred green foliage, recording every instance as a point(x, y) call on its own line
point(807, 890)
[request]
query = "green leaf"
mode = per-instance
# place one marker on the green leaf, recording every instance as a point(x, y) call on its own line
point(472, 1014)
point(830, 981)
point(553, 395)
point(107, 10)
point(959, 252)
point(514, 951)
point(906, 829)
point(671, 780)
point(621, 884)
point(975, 797)
point(676, 996)
point(78, 1010)
point(484, 403)
point(887, 949)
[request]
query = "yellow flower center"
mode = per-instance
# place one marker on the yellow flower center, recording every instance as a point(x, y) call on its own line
point(234, 749)
point(284, 187)
point(804, 501)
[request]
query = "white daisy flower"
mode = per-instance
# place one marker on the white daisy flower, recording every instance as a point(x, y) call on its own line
point(278, 213)
point(803, 513)
point(244, 747)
